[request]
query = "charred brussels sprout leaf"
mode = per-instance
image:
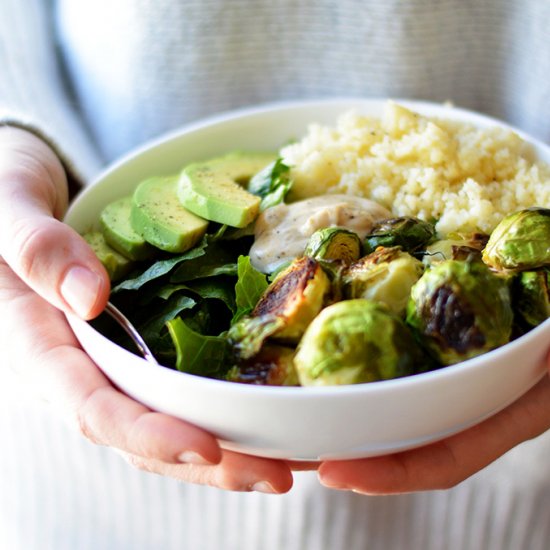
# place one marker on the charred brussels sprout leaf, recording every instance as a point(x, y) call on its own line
point(334, 243)
point(296, 296)
point(460, 310)
point(409, 233)
point(520, 241)
point(385, 276)
point(531, 297)
point(273, 366)
point(248, 335)
point(284, 310)
point(356, 341)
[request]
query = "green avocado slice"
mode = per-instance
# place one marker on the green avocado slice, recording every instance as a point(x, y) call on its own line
point(119, 233)
point(214, 189)
point(159, 217)
point(115, 263)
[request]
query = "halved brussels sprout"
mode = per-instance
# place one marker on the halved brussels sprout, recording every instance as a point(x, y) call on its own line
point(520, 241)
point(273, 366)
point(407, 232)
point(285, 309)
point(296, 295)
point(334, 243)
point(455, 247)
point(531, 297)
point(460, 310)
point(356, 341)
point(385, 276)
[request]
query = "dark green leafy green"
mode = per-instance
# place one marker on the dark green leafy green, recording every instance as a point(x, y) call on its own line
point(251, 284)
point(216, 260)
point(152, 327)
point(197, 353)
point(272, 184)
point(161, 268)
point(199, 319)
point(216, 288)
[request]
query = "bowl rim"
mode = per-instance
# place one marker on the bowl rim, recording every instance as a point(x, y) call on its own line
point(456, 113)
point(445, 108)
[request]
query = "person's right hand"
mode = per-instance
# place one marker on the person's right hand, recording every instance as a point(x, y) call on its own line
point(47, 269)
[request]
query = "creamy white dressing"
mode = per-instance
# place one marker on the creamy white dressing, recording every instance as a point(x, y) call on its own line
point(281, 232)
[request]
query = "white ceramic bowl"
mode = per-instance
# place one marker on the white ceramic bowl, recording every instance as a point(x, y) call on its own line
point(303, 423)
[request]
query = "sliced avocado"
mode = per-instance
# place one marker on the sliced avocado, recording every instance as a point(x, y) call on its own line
point(214, 189)
point(159, 217)
point(119, 233)
point(115, 263)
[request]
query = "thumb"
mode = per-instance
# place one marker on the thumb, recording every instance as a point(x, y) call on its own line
point(46, 254)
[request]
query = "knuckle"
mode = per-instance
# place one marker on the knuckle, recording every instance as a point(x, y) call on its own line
point(85, 429)
point(87, 414)
point(142, 437)
point(28, 241)
point(228, 481)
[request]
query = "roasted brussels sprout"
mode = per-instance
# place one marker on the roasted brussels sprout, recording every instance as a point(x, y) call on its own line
point(296, 295)
point(385, 276)
point(284, 310)
point(456, 247)
point(460, 310)
point(409, 233)
point(334, 243)
point(531, 297)
point(520, 241)
point(273, 366)
point(356, 341)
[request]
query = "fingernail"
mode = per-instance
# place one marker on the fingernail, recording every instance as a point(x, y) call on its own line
point(80, 289)
point(191, 457)
point(263, 487)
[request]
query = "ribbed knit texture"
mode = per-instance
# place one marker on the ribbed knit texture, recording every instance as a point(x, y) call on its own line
point(140, 67)
point(32, 91)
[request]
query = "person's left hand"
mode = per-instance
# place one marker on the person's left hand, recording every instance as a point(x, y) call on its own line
point(46, 269)
point(444, 464)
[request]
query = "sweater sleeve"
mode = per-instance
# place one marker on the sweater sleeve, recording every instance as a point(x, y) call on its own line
point(33, 92)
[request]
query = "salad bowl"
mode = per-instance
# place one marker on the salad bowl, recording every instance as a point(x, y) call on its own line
point(303, 423)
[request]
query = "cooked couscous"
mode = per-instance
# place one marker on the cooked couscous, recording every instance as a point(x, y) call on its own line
point(464, 177)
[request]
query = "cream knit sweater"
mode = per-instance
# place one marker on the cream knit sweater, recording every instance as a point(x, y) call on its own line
point(98, 77)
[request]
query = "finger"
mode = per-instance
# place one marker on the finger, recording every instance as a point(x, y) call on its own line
point(46, 254)
point(235, 472)
point(445, 464)
point(108, 417)
point(46, 354)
